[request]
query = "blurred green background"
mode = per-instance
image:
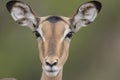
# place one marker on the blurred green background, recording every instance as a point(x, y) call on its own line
point(94, 50)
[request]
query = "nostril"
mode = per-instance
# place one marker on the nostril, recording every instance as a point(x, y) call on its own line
point(51, 64)
point(55, 63)
point(47, 63)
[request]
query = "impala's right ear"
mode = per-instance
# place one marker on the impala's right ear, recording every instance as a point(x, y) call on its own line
point(22, 14)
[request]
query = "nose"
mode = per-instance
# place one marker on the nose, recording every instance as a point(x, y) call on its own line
point(51, 63)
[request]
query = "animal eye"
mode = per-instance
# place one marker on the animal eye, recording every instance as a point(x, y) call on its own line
point(37, 34)
point(69, 35)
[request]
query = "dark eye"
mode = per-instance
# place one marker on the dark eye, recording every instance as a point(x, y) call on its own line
point(37, 34)
point(69, 35)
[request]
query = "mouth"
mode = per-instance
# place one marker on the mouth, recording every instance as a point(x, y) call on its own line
point(51, 73)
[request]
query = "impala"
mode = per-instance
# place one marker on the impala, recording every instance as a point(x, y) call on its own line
point(53, 33)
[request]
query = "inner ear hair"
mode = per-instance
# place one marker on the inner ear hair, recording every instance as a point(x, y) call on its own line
point(85, 14)
point(23, 14)
point(11, 3)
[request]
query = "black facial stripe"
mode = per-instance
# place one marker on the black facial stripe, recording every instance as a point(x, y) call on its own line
point(37, 34)
point(54, 19)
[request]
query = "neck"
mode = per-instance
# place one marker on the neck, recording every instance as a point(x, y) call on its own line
point(45, 77)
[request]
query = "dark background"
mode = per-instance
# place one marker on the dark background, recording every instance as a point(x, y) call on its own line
point(94, 50)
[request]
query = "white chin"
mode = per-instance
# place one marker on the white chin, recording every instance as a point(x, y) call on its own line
point(51, 74)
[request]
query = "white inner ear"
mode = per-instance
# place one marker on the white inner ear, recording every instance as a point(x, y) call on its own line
point(84, 16)
point(22, 13)
point(90, 14)
point(86, 13)
point(17, 13)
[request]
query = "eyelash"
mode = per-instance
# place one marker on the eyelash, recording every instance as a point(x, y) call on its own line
point(37, 34)
point(69, 35)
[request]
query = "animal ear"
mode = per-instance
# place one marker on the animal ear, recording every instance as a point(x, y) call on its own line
point(22, 13)
point(85, 14)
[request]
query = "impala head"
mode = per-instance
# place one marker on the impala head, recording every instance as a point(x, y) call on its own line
point(53, 32)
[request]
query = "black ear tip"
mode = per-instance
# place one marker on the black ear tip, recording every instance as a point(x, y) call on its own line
point(97, 4)
point(10, 4)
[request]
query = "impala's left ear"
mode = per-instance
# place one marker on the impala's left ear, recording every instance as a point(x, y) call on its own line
point(85, 14)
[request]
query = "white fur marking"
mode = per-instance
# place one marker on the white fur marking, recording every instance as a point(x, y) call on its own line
point(65, 33)
point(40, 31)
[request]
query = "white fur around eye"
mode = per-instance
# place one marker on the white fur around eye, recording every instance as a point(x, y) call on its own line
point(65, 33)
point(41, 32)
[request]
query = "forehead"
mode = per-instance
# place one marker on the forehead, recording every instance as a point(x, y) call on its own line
point(54, 26)
point(55, 19)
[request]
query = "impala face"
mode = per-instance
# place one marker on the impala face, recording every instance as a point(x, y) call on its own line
point(53, 32)
point(54, 38)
